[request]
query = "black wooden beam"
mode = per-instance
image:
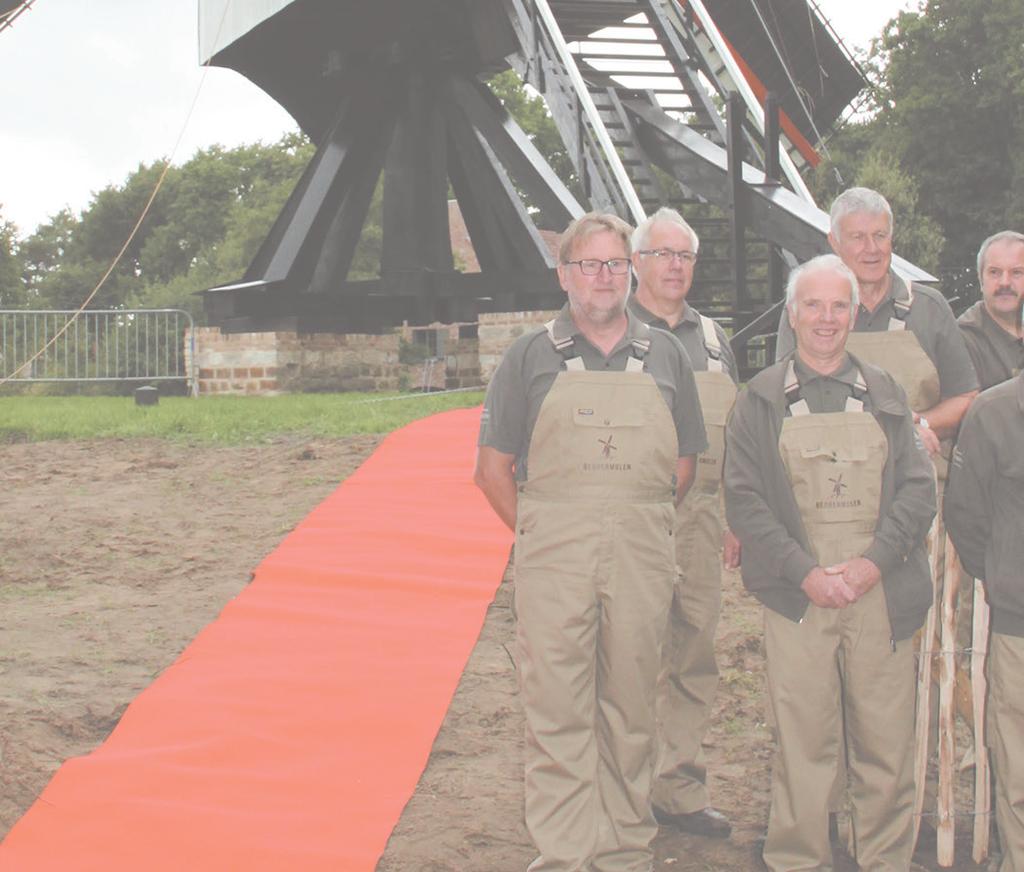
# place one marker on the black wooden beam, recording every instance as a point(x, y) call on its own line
point(503, 234)
point(415, 209)
point(516, 152)
point(736, 111)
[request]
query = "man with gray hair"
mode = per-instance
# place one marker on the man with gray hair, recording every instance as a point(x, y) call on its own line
point(664, 256)
point(906, 328)
point(830, 495)
point(990, 327)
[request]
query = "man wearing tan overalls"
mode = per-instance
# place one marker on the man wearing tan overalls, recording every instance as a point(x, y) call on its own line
point(664, 255)
point(831, 496)
point(589, 435)
point(909, 331)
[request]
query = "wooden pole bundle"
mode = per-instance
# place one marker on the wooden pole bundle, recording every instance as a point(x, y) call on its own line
point(979, 687)
point(946, 824)
point(924, 683)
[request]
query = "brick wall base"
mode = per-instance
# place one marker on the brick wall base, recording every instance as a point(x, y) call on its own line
point(267, 363)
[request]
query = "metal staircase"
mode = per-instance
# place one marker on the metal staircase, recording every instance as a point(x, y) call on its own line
point(637, 89)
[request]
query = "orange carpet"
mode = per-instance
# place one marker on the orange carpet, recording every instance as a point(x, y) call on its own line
point(290, 734)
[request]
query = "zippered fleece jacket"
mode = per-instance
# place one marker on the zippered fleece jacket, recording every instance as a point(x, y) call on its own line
point(984, 504)
point(763, 513)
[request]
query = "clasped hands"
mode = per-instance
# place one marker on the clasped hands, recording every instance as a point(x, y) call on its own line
point(836, 586)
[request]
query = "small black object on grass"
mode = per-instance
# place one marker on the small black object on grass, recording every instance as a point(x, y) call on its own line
point(147, 396)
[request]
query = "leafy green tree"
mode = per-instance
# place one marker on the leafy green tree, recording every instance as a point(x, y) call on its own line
point(531, 114)
point(202, 229)
point(12, 291)
point(949, 114)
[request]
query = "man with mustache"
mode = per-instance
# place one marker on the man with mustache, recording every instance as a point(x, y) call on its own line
point(990, 327)
point(985, 516)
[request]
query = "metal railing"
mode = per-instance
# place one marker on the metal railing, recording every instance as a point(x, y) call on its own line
point(97, 345)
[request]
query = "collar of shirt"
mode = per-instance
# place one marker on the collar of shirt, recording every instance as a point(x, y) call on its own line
point(847, 373)
point(898, 290)
point(994, 329)
point(689, 318)
point(565, 326)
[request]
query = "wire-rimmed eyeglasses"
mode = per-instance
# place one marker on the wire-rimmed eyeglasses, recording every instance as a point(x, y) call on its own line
point(617, 266)
point(668, 254)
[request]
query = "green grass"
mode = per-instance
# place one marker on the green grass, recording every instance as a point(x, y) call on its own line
point(218, 419)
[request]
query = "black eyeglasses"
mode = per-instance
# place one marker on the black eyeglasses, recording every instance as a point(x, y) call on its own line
point(617, 266)
point(667, 254)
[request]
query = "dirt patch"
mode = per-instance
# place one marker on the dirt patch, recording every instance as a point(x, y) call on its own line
point(114, 554)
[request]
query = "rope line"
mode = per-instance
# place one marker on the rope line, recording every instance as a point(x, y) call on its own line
point(142, 217)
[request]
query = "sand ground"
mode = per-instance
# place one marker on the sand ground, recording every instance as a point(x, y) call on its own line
point(114, 554)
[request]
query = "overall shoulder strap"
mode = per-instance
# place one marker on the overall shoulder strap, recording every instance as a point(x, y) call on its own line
point(566, 346)
point(639, 348)
point(711, 344)
point(796, 405)
point(902, 309)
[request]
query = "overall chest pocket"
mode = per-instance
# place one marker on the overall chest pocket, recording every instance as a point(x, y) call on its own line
point(835, 483)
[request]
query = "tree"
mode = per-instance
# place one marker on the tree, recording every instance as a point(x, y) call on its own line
point(531, 114)
point(949, 114)
point(12, 291)
point(202, 229)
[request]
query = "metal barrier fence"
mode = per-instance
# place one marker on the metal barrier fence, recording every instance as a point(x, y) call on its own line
point(99, 345)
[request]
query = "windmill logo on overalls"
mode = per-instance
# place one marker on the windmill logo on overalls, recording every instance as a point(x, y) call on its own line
point(606, 447)
point(838, 486)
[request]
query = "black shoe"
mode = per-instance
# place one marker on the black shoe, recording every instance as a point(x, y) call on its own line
point(706, 822)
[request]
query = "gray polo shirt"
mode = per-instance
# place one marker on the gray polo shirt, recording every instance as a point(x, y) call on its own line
point(690, 332)
point(997, 354)
point(930, 319)
point(529, 367)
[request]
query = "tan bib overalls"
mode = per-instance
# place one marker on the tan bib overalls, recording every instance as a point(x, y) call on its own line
point(689, 676)
point(594, 566)
point(836, 659)
point(899, 353)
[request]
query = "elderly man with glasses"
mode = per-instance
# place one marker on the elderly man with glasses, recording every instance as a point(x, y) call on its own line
point(665, 254)
point(589, 434)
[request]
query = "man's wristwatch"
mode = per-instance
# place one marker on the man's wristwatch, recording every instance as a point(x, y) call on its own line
point(922, 421)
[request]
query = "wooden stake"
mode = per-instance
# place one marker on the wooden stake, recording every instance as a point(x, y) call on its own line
point(925, 653)
point(945, 828)
point(982, 787)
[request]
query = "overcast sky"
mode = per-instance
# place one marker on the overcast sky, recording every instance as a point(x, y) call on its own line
point(88, 90)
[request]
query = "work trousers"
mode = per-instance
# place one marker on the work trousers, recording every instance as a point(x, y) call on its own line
point(593, 588)
point(835, 659)
point(1006, 741)
point(689, 671)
